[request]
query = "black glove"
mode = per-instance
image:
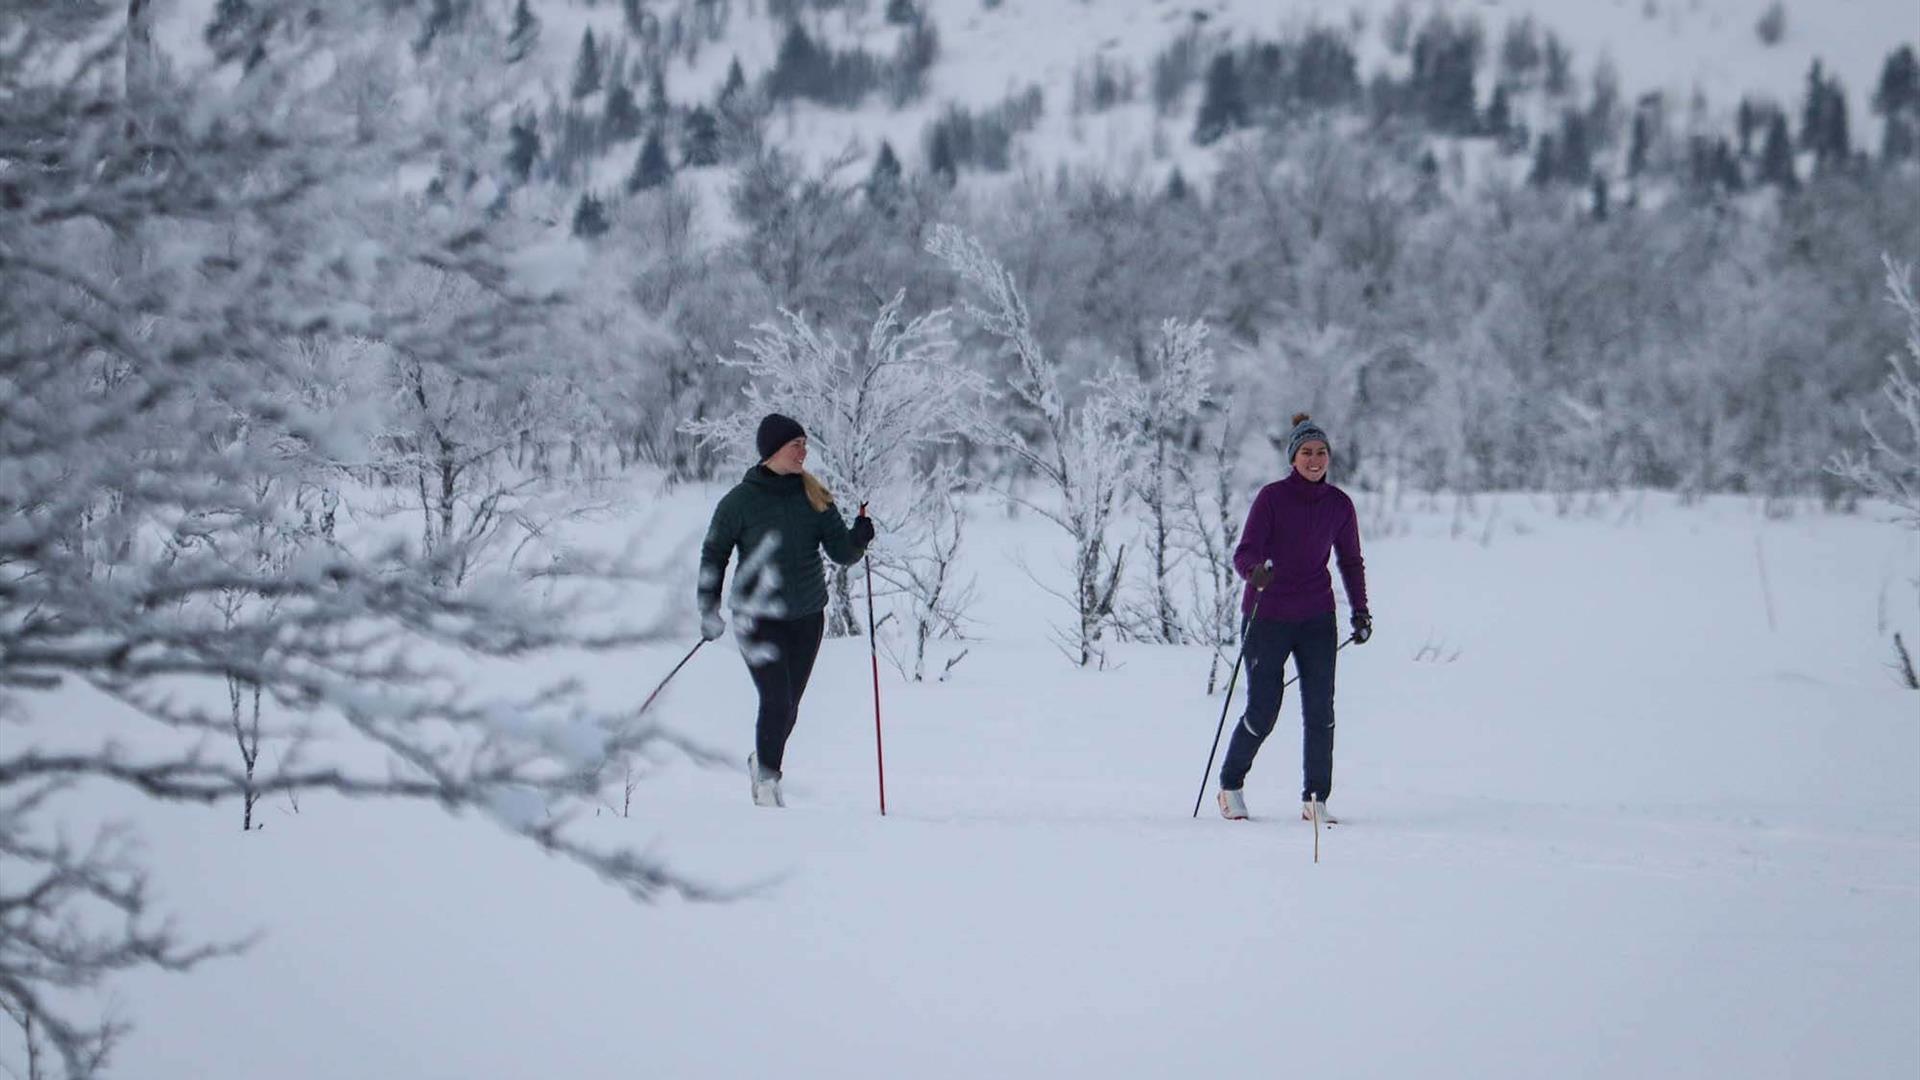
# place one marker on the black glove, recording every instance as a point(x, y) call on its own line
point(862, 531)
point(712, 625)
point(1362, 627)
point(1261, 577)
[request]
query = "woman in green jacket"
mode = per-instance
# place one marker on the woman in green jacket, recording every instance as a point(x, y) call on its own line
point(778, 503)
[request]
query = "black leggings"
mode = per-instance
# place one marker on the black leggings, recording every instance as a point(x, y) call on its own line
point(1312, 643)
point(780, 654)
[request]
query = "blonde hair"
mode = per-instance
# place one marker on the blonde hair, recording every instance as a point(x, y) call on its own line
point(817, 493)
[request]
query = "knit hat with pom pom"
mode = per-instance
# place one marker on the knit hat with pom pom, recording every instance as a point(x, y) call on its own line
point(1305, 431)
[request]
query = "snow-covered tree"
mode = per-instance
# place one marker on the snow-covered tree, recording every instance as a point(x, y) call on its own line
point(870, 410)
point(524, 33)
point(1212, 513)
point(700, 143)
point(621, 119)
point(586, 67)
point(921, 562)
point(1085, 458)
point(651, 168)
point(523, 147)
point(884, 182)
point(1890, 467)
point(171, 252)
point(1224, 107)
point(1163, 409)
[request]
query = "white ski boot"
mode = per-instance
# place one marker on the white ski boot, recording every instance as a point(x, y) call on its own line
point(766, 785)
point(1315, 810)
point(1233, 805)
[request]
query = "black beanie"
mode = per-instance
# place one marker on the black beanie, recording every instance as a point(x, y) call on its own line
point(775, 432)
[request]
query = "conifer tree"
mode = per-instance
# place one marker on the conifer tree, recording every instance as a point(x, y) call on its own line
point(1575, 161)
point(1177, 190)
point(590, 217)
point(1813, 111)
point(1559, 66)
point(736, 82)
point(1747, 122)
point(1776, 157)
point(622, 116)
point(941, 161)
point(1726, 167)
point(440, 17)
point(884, 182)
point(586, 67)
point(798, 69)
point(1899, 86)
point(226, 31)
point(639, 24)
point(1499, 114)
point(1445, 57)
point(1224, 107)
point(524, 32)
point(1545, 166)
point(1896, 99)
point(1638, 144)
point(523, 147)
point(1823, 120)
point(651, 169)
point(657, 104)
point(700, 144)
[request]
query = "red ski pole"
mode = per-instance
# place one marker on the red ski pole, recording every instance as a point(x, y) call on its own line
point(873, 651)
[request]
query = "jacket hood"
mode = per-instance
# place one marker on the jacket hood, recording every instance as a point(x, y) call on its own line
point(762, 477)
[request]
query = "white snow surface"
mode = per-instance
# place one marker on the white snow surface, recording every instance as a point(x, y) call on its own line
point(1620, 822)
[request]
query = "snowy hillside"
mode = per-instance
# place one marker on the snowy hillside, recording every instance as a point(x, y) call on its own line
point(1627, 794)
point(1684, 49)
point(1690, 51)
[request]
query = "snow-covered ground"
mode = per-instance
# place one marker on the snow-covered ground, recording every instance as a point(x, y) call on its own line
point(1648, 806)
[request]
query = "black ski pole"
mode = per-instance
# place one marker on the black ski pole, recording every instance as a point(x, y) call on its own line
point(873, 653)
point(1296, 674)
point(1224, 705)
point(663, 682)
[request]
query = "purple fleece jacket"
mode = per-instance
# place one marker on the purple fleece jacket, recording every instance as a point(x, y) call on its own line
point(1296, 522)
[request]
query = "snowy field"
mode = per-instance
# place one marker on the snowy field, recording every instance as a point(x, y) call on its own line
point(1649, 805)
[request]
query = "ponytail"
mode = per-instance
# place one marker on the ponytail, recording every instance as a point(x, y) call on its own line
point(817, 494)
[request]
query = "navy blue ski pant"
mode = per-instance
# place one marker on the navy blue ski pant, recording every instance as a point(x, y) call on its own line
point(780, 654)
point(1312, 644)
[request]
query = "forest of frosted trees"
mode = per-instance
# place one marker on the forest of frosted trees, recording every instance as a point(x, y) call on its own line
point(1635, 294)
point(310, 338)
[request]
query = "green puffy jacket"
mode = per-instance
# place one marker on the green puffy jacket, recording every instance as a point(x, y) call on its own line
point(765, 503)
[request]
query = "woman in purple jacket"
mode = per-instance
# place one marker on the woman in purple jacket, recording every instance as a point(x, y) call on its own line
point(1295, 523)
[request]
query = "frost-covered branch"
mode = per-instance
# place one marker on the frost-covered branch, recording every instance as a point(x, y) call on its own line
point(1890, 468)
point(199, 275)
